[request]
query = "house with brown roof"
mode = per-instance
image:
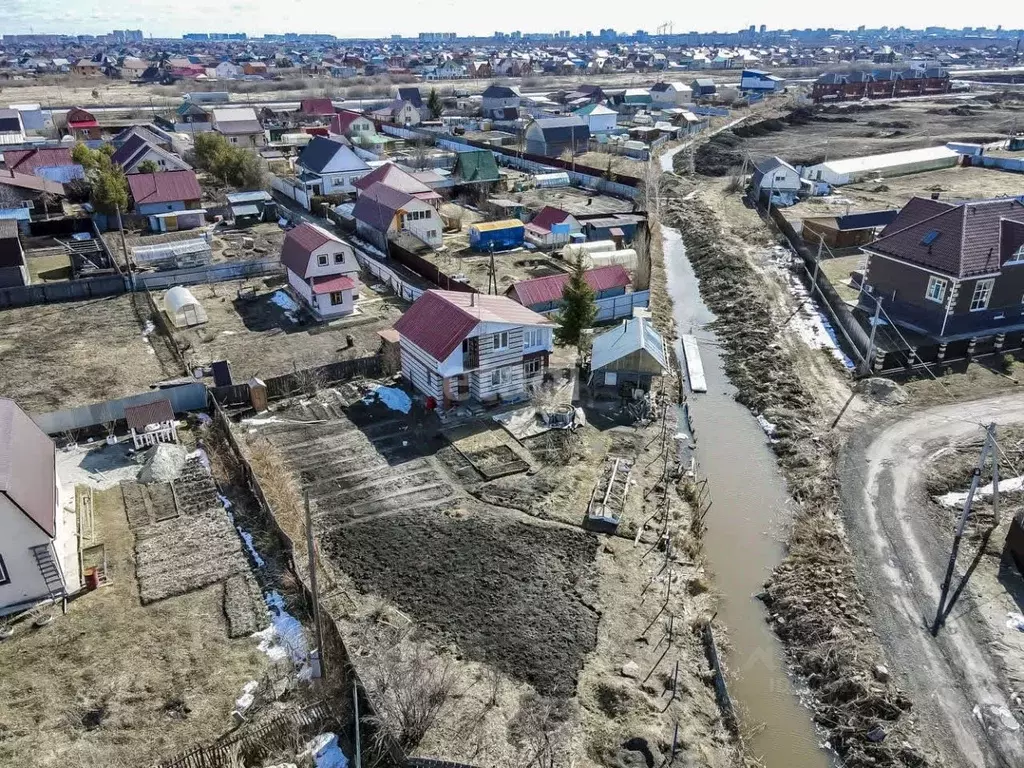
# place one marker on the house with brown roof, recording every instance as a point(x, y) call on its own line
point(38, 552)
point(354, 126)
point(950, 271)
point(382, 213)
point(392, 176)
point(544, 294)
point(240, 126)
point(54, 163)
point(82, 124)
point(170, 199)
point(459, 346)
point(322, 270)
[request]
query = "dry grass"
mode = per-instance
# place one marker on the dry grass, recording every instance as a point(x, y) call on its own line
point(114, 683)
point(279, 487)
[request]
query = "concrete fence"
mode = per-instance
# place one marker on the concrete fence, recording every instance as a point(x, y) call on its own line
point(186, 397)
point(291, 190)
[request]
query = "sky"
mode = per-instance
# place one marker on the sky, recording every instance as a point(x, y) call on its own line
point(172, 18)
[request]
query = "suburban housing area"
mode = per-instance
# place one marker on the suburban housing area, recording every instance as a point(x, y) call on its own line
point(442, 402)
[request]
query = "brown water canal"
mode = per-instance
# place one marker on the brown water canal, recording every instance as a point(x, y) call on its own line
point(745, 526)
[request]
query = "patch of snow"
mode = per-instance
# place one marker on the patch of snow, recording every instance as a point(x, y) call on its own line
point(247, 698)
point(284, 638)
point(247, 538)
point(957, 499)
point(1015, 621)
point(393, 398)
point(808, 324)
point(767, 426)
point(284, 301)
point(325, 752)
point(204, 459)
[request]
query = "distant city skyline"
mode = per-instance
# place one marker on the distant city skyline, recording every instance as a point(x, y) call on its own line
point(157, 18)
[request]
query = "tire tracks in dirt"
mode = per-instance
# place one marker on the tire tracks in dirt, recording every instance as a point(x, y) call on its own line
point(901, 556)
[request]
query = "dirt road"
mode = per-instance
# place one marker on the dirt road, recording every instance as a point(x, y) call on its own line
point(901, 557)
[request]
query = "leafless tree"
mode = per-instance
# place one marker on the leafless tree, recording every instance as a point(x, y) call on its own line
point(310, 377)
point(642, 246)
point(541, 728)
point(410, 688)
point(452, 216)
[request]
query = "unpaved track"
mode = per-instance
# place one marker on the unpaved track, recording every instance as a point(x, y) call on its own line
point(901, 558)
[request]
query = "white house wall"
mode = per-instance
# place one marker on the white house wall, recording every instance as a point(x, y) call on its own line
point(19, 535)
point(420, 369)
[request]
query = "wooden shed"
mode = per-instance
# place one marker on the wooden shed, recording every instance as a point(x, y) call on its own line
point(628, 356)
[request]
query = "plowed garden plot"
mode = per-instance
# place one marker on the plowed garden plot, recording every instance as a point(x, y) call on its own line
point(506, 593)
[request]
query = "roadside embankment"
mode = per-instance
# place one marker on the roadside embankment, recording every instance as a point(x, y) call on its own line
point(814, 603)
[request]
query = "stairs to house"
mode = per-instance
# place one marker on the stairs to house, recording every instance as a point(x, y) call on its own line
point(48, 568)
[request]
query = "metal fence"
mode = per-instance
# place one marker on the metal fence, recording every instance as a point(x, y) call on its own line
point(114, 285)
point(185, 397)
point(292, 383)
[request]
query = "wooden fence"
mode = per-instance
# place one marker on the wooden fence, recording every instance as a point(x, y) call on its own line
point(294, 383)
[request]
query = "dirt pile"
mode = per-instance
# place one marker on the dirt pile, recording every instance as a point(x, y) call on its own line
point(816, 607)
point(884, 391)
point(716, 157)
point(164, 462)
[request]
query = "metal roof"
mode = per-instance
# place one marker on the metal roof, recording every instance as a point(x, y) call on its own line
point(438, 321)
point(496, 226)
point(300, 243)
point(543, 290)
point(633, 335)
point(28, 473)
point(888, 160)
point(244, 210)
point(165, 187)
point(257, 196)
point(141, 416)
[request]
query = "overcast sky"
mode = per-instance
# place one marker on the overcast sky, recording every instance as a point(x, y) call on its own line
point(171, 18)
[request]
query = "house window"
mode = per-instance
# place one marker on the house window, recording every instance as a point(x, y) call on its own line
point(321, 260)
point(533, 367)
point(936, 289)
point(532, 337)
point(431, 233)
point(339, 258)
point(982, 293)
point(501, 376)
point(337, 298)
point(1017, 257)
point(500, 340)
point(5, 577)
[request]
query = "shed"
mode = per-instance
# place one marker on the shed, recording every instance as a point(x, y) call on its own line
point(151, 423)
point(182, 308)
point(628, 357)
point(496, 235)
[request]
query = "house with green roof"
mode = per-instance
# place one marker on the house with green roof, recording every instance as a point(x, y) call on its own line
point(598, 117)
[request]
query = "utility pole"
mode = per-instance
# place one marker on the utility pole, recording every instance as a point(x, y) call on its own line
point(124, 243)
point(311, 556)
point(986, 448)
point(871, 337)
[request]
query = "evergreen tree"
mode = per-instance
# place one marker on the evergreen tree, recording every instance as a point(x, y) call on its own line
point(148, 166)
point(434, 104)
point(578, 308)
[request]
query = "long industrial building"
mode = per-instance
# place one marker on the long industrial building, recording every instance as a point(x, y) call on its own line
point(854, 169)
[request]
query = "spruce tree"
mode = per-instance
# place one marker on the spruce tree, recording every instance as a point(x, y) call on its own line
point(578, 308)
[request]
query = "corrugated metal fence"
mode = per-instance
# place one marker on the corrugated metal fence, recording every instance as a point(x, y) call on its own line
point(113, 285)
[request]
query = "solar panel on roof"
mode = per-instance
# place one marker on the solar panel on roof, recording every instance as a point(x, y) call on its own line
point(930, 237)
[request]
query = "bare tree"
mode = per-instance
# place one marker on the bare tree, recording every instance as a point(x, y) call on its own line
point(452, 216)
point(541, 729)
point(642, 245)
point(410, 688)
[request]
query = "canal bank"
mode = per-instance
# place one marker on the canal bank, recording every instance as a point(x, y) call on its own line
point(813, 602)
point(742, 542)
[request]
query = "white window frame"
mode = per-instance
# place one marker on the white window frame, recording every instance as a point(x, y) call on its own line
point(536, 363)
point(930, 293)
point(1017, 257)
point(499, 340)
point(982, 294)
point(339, 258)
point(532, 337)
point(337, 297)
point(501, 376)
point(321, 260)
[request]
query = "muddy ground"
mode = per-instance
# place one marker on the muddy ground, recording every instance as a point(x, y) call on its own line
point(260, 339)
point(812, 598)
point(810, 135)
point(526, 610)
point(68, 354)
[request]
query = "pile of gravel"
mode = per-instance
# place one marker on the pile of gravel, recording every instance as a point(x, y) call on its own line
point(164, 462)
point(884, 391)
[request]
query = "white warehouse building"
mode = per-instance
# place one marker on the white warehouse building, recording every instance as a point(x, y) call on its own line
point(854, 169)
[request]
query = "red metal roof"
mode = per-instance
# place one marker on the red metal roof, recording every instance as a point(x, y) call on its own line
point(391, 175)
point(333, 283)
point(141, 416)
point(548, 217)
point(543, 290)
point(439, 320)
point(27, 160)
point(165, 187)
point(316, 107)
point(28, 473)
point(79, 118)
point(299, 245)
point(342, 120)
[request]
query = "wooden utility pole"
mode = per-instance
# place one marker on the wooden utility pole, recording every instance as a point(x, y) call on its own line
point(986, 448)
point(355, 705)
point(311, 557)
